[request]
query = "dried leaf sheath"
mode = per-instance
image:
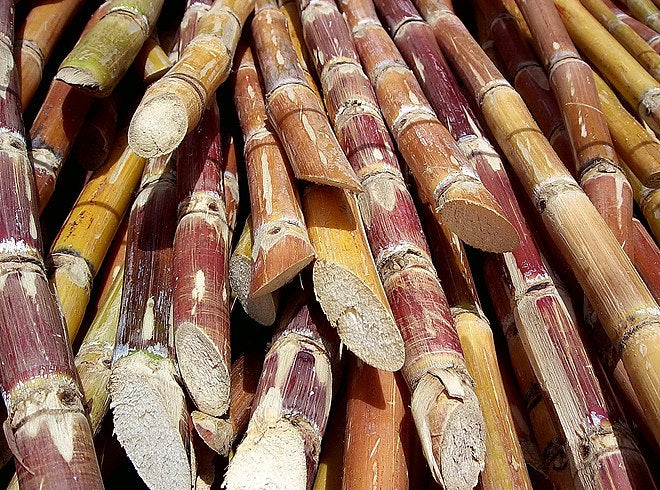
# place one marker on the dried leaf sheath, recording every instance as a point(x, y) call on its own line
point(281, 247)
point(183, 93)
point(293, 106)
point(441, 171)
point(433, 355)
point(346, 281)
point(47, 428)
point(624, 305)
point(291, 406)
point(36, 39)
point(201, 268)
point(105, 52)
point(147, 402)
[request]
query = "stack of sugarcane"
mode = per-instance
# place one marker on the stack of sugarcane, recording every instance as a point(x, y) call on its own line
point(296, 244)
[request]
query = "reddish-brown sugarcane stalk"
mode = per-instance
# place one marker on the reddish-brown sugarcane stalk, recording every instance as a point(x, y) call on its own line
point(221, 433)
point(645, 11)
point(201, 268)
point(647, 258)
point(293, 106)
point(36, 39)
point(290, 410)
point(230, 158)
point(281, 247)
point(571, 79)
point(630, 79)
point(264, 308)
point(47, 428)
point(626, 35)
point(637, 148)
point(648, 34)
point(184, 92)
point(434, 365)
point(149, 408)
point(96, 137)
point(528, 76)
point(627, 310)
point(378, 438)
point(443, 174)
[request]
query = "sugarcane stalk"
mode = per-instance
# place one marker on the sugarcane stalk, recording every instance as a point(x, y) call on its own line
point(433, 358)
point(636, 147)
point(103, 55)
point(291, 406)
point(378, 431)
point(264, 308)
point(511, 8)
point(281, 247)
point(221, 433)
point(81, 245)
point(184, 92)
point(571, 79)
point(36, 39)
point(294, 107)
point(97, 136)
point(648, 34)
point(626, 308)
point(329, 474)
point(146, 399)
point(46, 428)
point(344, 263)
point(94, 357)
point(201, 268)
point(230, 157)
point(442, 172)
point(648, 201)
point(645, 11)
point(647, 258)
point(528, 76)
point(152, 62)
point(618, 66)
point(627, 37)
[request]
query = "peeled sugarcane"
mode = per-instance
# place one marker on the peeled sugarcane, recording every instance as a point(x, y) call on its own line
point(96, 137)
point(152, 62)
point(647, 258)
point(571, 79)
point(645, 11)
point(625, 307)
point(264, 308)
point(281, 247)
point(221, 433)
point(103, 55)
point(618, 66)
point(147, 402)
point(648, 34)
point(443, 402)
point(172, 107)
point(201, 268)
point(528, 76)
point(80, 247)
point(294, 108)
point(344, 263)
point(378, 437)
point(36, 40)
point(636, 147)
point(46, 427)
point(290, 410)
point(626, 35)
point(443, 174)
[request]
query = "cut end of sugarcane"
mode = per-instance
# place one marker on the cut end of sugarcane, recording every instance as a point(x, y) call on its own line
point(269, 274)
point(471, 212)
point(451, 430)
point(218, 434)
point(343, 180)
point(272, 455)
point(83, 79)
point(148, 412)
point(158, 126)
point(262, 309)
point(364, 323)
point(203, 369)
